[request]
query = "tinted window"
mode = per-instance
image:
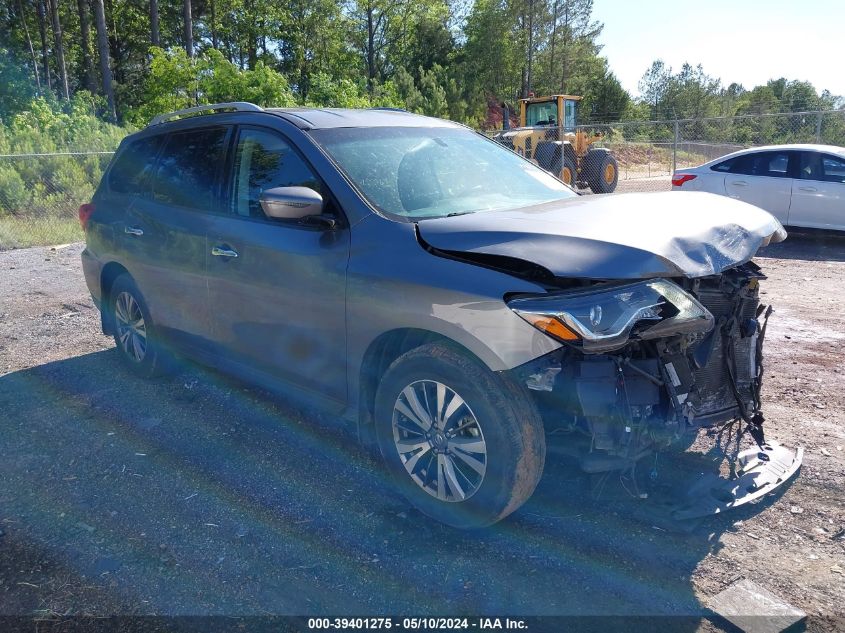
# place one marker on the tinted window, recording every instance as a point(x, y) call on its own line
point(833, 169)
point(726, 165)
point(773, 164)
point(186, 170)
point(264, 161)
point(133, 166)
point(822, 167)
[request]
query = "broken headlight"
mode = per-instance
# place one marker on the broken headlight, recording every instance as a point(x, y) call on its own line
point(606, 318)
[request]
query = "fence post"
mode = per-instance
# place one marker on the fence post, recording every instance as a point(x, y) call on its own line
point(819, 127)
point(675, 149)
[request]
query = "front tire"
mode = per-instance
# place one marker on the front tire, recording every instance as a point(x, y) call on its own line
point(463, 444)
point(601, 171)
point(134, 334)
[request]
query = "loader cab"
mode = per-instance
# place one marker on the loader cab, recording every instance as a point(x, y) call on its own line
point(549, 111)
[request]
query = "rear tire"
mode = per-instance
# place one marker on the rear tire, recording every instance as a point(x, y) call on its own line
point(467, 462)
point(569, 173)
point(134, 334)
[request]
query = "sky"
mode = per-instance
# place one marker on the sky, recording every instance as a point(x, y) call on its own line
point(742, 41)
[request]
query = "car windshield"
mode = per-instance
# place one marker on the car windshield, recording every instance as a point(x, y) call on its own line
point(421, 173)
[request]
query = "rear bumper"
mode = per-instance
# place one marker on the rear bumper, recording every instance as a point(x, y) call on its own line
point(92, 270)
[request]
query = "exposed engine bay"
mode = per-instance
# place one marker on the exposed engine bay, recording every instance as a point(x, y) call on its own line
point(654, 392)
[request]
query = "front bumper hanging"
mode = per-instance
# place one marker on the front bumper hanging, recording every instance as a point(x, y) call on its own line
point(761, 471)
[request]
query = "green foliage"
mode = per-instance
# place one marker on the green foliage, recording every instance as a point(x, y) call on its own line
point(343, 93)
point(47, 188)
point(16, 88)
point(176, 81)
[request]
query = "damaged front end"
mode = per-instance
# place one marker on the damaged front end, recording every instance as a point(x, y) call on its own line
point(644, 365)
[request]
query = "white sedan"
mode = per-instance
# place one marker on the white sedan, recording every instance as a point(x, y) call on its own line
point(801, 185)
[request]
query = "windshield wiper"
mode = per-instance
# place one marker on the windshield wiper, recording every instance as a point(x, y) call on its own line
point(454, 213)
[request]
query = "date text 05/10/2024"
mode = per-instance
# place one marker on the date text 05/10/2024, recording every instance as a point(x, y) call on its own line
point(416, 624)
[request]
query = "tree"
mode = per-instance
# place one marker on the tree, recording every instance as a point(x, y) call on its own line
point(188, 27)
point(60, 50)
point(105, 63)
point(381, 30)
point(42, 28)
point(573, 38)
point(654, 84)
point(155, 35)
point(35, 72)
point(85, 45)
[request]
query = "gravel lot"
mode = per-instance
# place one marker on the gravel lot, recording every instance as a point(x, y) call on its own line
point(195, 495)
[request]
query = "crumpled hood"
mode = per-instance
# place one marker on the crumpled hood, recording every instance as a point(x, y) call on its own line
point(625, 236)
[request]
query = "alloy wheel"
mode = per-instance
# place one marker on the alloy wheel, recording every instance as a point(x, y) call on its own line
point(131, 328)
point(439, 441)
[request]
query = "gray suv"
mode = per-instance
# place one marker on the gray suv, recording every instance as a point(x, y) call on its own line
point(444, 294)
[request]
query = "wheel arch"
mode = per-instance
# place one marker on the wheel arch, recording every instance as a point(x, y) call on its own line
point(379, 355)
point(109, 274)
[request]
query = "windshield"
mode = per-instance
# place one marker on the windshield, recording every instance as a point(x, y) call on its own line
point(421, 173)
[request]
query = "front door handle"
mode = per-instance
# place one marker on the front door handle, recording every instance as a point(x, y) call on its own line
point(222, 251)
point(133, 230)
point(739, 183)
point(810, 189)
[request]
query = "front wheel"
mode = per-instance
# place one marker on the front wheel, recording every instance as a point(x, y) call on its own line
point(601, 171)
point(463, 444)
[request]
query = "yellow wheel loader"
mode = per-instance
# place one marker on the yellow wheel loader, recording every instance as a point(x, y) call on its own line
point(547, 135)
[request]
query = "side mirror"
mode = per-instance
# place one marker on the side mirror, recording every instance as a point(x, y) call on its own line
point(291, 203)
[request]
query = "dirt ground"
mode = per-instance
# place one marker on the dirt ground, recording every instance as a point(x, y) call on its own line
point(196, 495)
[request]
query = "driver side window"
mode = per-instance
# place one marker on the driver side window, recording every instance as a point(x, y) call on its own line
point(263, 160)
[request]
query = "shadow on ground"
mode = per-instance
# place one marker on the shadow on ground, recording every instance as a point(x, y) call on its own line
point(194, 495)
point(808, 245)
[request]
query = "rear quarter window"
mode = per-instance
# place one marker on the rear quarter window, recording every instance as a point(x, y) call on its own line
point(725, 165)
point(130, 173)
point(186, 173)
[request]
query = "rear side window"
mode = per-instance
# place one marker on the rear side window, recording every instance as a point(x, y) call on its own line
point(772, 164)
point(187, 168)
point(131, 171)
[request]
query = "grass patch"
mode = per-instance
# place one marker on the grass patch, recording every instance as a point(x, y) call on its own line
point(21, 232)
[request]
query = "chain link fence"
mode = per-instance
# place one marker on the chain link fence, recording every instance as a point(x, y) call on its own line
point(648, 152)
point(40, 194)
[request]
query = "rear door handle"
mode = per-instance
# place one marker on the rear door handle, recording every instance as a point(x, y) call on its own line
point(133, 230)
point(222, 251)
point(739, 183)
point(807, 189)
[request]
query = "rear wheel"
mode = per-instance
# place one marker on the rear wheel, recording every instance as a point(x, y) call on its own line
point(464, 445)
point(134, 334)
point(601, 171)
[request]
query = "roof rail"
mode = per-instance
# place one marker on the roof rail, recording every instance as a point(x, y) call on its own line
point(389, 109)
point(237, 106)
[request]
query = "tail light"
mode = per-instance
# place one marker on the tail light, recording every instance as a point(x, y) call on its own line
point(680, 179)
point(85, 212)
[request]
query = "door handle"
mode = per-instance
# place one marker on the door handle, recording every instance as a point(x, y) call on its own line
point(220, 251)
point(133, 230)
point(739, 183)
point(807, 189)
